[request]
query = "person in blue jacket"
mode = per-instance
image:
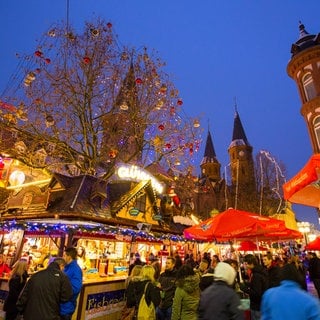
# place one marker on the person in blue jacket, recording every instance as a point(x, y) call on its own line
point(289, 300)
point(74, 273)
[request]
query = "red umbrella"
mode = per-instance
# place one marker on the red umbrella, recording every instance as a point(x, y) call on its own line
point(250, 246)
point(313, 245)
point(303, 188)
point(285, 234)
point(233, 224)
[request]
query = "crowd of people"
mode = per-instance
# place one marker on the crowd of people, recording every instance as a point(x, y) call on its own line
point(48, 294)
point(208, 288)
point(204, 288)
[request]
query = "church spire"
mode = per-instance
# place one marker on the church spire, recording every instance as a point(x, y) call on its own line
point(210, 166)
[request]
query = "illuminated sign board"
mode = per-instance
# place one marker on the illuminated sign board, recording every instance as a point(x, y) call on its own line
point(134, 173)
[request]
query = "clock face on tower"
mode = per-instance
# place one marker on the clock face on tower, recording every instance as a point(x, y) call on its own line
point(241, 153)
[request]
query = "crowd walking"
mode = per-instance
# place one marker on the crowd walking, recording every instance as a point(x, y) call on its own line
point(249, 287)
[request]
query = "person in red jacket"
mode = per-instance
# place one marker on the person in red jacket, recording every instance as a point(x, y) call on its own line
point(4, 268)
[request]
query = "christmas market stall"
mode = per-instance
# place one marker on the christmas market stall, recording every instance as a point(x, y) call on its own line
point(110, 221)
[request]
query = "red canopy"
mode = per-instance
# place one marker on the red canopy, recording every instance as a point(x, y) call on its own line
point(304, 187)
point(233, 224)
point(313, 245)
point(285, 234)
point(250, 246)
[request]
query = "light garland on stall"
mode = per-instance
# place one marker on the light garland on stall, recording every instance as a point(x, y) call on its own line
point(124, 234)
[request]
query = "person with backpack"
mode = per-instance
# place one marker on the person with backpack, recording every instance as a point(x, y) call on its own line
point(144, 295)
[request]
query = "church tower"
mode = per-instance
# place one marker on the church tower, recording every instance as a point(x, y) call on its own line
point(304, 69)
point(210, 166)
point(241, 163)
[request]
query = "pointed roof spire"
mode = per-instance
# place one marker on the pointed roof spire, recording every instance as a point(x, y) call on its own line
point(303, 32)
point(305, 40)
point(209, 152)
point(127, 96)
point(238, 136)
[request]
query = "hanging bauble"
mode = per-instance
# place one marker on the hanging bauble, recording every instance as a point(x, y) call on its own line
point(172, 110)
point(163, 88)
point(160, 103)
point(38, 53)
point(94, 32)
point(52, 33)
point(124, 56)
point(31, 76)
point(38, 70)
point(124, 106)
point(86, 60)
point(113, 153)
point(49, 121)
point(179, 102)
point(168, 145)
point(109, 25)
point(196, 123)
point(191, 151)
point(138, 81)
point(161, 127)
point(37, 101)
point(47, 60)
point(176, 200)
point(157, 141)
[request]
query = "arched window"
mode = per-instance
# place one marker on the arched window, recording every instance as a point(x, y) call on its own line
point(308, 86)
point(316, 126)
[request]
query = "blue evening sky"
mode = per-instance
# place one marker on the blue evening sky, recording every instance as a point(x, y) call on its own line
point(214, 50)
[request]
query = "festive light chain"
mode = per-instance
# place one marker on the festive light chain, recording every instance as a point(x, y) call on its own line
point(48, 228)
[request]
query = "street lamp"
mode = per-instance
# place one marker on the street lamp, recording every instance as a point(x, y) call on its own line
point(304, 227)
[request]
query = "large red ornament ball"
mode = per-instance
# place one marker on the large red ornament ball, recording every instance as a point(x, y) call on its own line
point(86, 60)
point(138, 81)
point(38, 53)
point(161, 127)
point(109, 25)
point(168, 145)
point(179, 102)
point(47, 60)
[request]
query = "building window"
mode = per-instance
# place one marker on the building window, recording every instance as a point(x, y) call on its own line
point(316, 126)
point(308, 86)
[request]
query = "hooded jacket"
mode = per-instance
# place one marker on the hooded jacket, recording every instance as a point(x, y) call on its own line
point(43, 293)
point(186, 299)
point(219, 302)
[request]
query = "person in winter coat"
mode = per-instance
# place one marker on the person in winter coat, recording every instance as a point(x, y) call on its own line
point(272, 269)
point(289, 300)
point(17, 281)
point(135, 289)
point(256, 286)
point(187, 294)
point(74, 273)
point(43, 293)
point(314, 270)
point(219, 301)
point(167, 282)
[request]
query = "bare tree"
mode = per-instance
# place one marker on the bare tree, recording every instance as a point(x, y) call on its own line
point(88, 101)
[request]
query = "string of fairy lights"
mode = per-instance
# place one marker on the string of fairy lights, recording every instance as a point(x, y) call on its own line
point(82, 229)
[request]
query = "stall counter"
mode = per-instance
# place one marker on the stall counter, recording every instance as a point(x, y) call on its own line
point(101, 298)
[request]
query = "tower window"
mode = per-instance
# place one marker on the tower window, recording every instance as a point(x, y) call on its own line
point(316, 126)
point(308, 86)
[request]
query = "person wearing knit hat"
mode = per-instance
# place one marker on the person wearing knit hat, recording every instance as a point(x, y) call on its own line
point(289, 300)
point(219, 301)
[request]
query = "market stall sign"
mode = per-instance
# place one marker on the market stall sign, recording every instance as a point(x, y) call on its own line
point(134, 173)
point(134, 212)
